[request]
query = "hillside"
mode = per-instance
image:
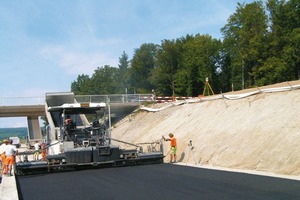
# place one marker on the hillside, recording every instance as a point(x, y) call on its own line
point(13, 132)
point(259, 132)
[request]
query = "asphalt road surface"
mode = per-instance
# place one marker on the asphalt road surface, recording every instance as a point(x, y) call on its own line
point(154, 182)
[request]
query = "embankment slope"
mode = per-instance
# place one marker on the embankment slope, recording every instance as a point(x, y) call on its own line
point(259, 132)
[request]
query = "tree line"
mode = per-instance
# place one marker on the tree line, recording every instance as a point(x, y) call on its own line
point(260, 46)
point(5, 133)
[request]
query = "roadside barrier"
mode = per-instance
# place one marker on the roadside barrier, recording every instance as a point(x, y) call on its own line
point(165, 99)
point(176, 101)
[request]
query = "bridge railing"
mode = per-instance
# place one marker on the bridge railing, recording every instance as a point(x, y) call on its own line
point(114, 98)
point(21, 101)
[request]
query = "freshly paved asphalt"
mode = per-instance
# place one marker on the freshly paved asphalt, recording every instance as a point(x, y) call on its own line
point(153, 182)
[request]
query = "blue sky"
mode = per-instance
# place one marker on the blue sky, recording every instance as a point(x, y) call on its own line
point(46, 44)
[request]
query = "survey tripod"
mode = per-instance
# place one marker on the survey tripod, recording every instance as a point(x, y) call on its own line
point(191, 150)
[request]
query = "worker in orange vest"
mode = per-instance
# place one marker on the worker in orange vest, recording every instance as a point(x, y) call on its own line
point(3, 156)
point(173, 144)
point(44, 150)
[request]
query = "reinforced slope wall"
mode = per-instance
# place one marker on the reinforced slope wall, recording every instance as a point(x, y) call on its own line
point(257, 132)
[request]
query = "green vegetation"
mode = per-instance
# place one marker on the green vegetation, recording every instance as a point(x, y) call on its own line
point(13, 132)
point(260, 46)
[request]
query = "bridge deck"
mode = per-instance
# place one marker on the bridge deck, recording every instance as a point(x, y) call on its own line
point(22, 111)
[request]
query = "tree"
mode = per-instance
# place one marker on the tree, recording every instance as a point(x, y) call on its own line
point(82, 85)
point(199, 61)
point(244, 37)
point(168, 61)
point(106, 80)
point(224, 75)
point(123, 68)
point(284, 37)
point(142, 63)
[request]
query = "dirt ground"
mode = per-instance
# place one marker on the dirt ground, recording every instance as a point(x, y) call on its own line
point(259, 132)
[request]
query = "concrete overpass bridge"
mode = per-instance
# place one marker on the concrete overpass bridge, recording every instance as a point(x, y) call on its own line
point(34, 107)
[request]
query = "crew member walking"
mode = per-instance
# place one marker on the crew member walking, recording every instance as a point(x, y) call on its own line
point(10, 152)
point(36, 150)
point(44, 150)
point(3, 156)
point(173, 144)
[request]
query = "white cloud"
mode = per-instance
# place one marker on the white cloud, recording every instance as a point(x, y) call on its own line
point(78, 62)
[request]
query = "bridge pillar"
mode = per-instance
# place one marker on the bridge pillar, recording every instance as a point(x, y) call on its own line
point(34, 130)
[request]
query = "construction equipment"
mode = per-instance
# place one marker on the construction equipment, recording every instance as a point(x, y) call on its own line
point(84, 141)
point(207, 89)
point(15, 141)
point(191, 148)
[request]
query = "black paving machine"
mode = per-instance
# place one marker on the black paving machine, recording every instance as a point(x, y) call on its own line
point(79, 137)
